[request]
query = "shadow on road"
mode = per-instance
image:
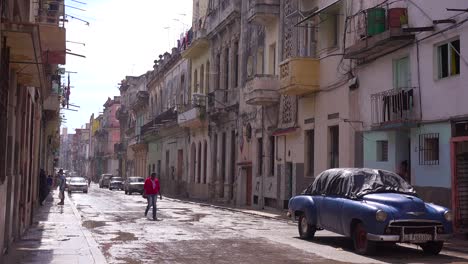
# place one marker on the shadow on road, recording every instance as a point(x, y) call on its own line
point(393, 253)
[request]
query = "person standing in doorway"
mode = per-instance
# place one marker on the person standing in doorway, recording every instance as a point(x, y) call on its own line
point(151, 190)
point(62, 184)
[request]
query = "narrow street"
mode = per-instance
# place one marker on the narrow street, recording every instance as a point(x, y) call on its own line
point(192, 233)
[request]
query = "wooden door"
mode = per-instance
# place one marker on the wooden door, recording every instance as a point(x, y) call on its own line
point(180, 164)
point(248, 187)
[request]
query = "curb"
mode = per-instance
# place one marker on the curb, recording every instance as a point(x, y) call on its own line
point(92, 244)
point(279, 218)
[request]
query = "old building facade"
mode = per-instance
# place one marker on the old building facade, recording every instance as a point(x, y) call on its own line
point(32, 45)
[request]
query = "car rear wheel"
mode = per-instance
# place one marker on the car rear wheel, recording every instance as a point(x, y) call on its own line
point(85, 191)
point(432, 247)
point(361, 244)
point(306, 230)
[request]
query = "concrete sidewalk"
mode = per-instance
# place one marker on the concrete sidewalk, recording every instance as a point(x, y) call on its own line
point(56, 236)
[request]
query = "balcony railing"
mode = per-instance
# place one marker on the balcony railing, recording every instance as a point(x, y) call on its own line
point(262, 90)
point(395, 107)
point(193, 116)
point(222, 14)
point(299, 76)
point(379, 31)
point(263, 12)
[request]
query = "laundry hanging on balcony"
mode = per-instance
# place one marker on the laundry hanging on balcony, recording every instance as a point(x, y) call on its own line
point(397, 103)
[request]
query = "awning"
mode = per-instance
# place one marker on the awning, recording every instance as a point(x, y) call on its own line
point(284, 131)
point(321, 10)
point(24, 42)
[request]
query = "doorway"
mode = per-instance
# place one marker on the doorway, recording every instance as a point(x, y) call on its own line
point(248, 187)
point(180, 164)
point(460, 182)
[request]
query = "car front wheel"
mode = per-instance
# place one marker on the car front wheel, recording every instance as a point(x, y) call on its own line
point(432, 247)
point(306, 230)
point(361, 244)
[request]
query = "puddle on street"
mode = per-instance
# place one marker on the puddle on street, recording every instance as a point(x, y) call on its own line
point(93, 224)
point(124, 236)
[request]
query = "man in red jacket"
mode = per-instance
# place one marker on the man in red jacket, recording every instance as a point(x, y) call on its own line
point(151, 189)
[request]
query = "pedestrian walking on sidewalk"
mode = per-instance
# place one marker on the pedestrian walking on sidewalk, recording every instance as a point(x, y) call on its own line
point(62, 184)
point(151, 190)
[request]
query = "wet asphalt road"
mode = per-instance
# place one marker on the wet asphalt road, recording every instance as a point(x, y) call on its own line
point(192, 233)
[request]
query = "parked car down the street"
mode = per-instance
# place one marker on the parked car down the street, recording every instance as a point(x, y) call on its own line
point(105, 180)
point(134, 184)
point(78, 184)
point(370, 206)
point(116, 183)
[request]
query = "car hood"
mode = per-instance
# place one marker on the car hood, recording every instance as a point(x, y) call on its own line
point(402, 205)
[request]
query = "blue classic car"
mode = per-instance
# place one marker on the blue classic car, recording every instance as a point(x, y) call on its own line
point(370, 206)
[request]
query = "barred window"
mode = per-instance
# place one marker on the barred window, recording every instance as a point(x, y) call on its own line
point(429, 149)
point(382, 150)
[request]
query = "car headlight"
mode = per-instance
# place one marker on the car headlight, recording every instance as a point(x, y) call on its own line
point(380, 216)
point(448, 216)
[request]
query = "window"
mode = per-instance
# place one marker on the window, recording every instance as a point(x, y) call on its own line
point(236, 64)
point(448, 59)
point(207, 77)
point(429, 149)
point(309, 39)
point(202, 79)
point(260, 155)
point(195, 81)
point(260, 69)
point(272, 59)
point(272, 155)
point(382, 150)
point(310, 145)
point(226, 73)
point(401, 73)
point(334, 133)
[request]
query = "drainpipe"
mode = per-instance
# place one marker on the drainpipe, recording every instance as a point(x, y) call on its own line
point(419, 83)
point(262, 188)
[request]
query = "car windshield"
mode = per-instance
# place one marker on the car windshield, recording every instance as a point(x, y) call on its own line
point(78, 179)
point(137, 180)
point(116, 179)
point(355, 183)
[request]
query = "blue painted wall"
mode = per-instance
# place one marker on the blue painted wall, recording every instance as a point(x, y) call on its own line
point(432, 175)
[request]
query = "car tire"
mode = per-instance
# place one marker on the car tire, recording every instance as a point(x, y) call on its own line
point(432, 247)
point(306, 230)
point(361, 244)
point(125, 192)
point(129, 193)
point(85, 191)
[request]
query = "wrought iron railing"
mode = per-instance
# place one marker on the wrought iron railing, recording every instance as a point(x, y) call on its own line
point(394, 106)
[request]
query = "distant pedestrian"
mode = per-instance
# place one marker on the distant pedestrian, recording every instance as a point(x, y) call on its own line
point(50, 181)
point(43, 187)
point(403, 171)
point(151, 190)
point(62, 184)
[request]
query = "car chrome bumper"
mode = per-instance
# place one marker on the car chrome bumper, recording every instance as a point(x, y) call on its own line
point(398, 238)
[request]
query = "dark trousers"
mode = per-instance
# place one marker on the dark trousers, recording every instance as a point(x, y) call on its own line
point(151, 203)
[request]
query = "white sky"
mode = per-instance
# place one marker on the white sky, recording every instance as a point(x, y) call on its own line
point(124, 38)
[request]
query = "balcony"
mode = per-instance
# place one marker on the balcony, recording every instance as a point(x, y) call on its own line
point(52, 103)
point(379, 45)
point(197, 46)
point(299, 76)
point(380, 30)
point(194, 115)
point(222, 14)
point(262, 90)
point(263, 12)
point(395, 108)
point(223, 100)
